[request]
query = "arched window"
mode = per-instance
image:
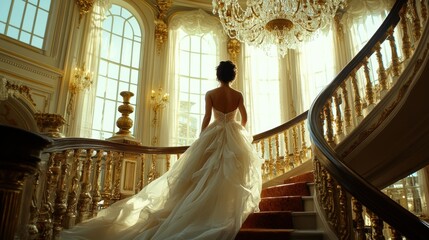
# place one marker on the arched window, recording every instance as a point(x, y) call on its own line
point(25, 21)
point(197, 59)
point(119, 69)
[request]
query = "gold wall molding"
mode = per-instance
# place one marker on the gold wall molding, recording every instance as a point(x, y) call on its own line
point(234, 47)
point(30, 67)
point(85, 6)
point(161, 27)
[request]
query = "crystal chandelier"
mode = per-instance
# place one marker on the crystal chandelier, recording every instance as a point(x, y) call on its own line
point(281, 23)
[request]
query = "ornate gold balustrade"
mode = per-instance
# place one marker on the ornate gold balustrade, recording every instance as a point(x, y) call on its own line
point(284, 147)
point(341, 119)
point(80, 176)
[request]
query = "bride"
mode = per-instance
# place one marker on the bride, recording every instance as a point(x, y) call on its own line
point(207, 193)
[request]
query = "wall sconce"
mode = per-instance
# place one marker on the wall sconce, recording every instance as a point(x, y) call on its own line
point(82, 80)
point(158, 101)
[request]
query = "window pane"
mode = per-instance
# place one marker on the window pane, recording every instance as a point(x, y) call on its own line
point(115, 48)
point(136, 28)
point(112, 89)
point(195, 86)
point(134, 76)
point(109, 116)
point(30, 13)
point(118, 26)
point(37, 42)
point(126, 49)
point(195, 62)
point(17, 13)
point(125, 74)
point(4, 10)
point(45, 4)
point(2, 28)
point(123, 87)
point(136, 55)
point(101, 86)
point(41, 21)
point(13, 32)
point(25, 37)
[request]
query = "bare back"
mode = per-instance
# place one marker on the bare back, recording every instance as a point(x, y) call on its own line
point(224, 99)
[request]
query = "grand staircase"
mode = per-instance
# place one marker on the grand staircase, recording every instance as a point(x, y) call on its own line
point(286, 212)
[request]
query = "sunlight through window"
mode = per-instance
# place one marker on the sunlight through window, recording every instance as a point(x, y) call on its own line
point(119, 69)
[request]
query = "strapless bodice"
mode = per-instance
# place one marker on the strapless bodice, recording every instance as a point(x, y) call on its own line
point(224, 117)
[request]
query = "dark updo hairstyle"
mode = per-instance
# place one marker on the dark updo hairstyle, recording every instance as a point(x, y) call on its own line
point(225, 72)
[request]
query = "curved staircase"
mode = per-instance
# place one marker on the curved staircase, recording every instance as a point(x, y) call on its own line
point(286, 212)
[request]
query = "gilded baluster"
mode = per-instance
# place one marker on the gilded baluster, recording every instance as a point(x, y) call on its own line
point(264, 165)
point(296, 154)
point(106, 192)
point(329, 127)
point(83, 204)
point(279, 165)
point(382, 76)
point(117, 166)
point(44, 222)
point(323, 191)
point(95, 193)
point(288, 165)
point(415, 19)
point(396, 66)
point(395, 235)
point(377, 226)
point(303, 142)
point(344, 228)
point(347, 110)
point(271, 158)
point(72, 197)
point(60, 200)
point(358, 219)
point(333, 213)
point(424, 10)
point(34, 211)
point(153, 173)
point(338, 117)
point(329, 201)
point(406, 43)
point(142, 165)
point(357, 99)
point(369, 90)
point(167, 159)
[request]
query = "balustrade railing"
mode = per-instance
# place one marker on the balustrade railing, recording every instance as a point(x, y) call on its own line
point(343, 111)
point(79, 176)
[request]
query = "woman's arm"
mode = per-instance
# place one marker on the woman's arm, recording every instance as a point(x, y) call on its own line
point(243, 111)
point(208, 113)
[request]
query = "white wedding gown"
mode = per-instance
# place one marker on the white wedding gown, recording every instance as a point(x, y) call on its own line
point(207, 194)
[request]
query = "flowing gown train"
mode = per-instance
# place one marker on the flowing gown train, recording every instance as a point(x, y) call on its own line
point(207, 193)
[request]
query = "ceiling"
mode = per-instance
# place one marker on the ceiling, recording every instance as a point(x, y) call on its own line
point(194, 4)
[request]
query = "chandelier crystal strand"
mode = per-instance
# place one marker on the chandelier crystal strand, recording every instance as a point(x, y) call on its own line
point(281, 23)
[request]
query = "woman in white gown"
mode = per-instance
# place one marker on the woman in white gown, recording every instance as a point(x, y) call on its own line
point(208, 192)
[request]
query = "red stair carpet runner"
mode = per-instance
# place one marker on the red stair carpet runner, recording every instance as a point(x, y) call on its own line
point(275, 219)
